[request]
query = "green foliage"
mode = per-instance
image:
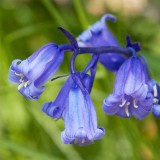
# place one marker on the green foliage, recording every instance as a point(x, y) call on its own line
point(25, 132)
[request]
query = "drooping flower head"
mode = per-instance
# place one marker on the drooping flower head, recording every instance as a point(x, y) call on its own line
point(99, 35)
point(155, 88)
point(132, 95)
point(32, 73)
point(74, 105)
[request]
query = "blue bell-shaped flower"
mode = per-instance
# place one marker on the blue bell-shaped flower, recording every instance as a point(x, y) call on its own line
point(32, 73)
point(74, 105)
point(99, 35)
point(132, 95)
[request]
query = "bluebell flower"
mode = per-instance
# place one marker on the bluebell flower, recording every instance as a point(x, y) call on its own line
point(132, 95)
point(74, 105)
point(32, 73)
point(155, 89)
point(99, 35)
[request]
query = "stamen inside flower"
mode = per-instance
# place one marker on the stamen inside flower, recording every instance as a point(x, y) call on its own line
point(83, 141)
point(134, 103)
point(130, 101)
point(123, 102)
point(21, 85)
point(126, 109)
point(155, 93)
point(155, 100)
point(126, 103)
point(21, 80)
point(20, 75)
point(76, 141)
point(27, 83)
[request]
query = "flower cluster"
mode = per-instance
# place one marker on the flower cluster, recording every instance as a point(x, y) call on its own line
point(135, 93)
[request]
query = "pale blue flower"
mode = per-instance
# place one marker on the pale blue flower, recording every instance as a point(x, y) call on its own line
point(74, 105)
point(32, 73)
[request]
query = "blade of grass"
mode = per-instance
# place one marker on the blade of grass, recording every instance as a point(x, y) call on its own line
point(54, 133)
point(27, 31)
point(54, 13)
point(4, 143)
point(81, 14)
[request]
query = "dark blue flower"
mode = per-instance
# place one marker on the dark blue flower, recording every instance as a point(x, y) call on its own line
point(155, 88)
point(74, 105)
point(99, 35)
point(32, 73)
point(132, 94)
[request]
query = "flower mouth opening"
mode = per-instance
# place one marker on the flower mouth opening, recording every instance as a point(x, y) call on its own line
point(77, 140)
point(23, 81)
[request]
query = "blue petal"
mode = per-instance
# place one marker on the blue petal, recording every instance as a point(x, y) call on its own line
point(121, 77)
point(122, 112)
point(109, 39)
point(154, 89)
point(80, 133)
point(84, 37)
point(145, 69)
point(56, 108)
point(80, 119)
point(144, 107)
point(135, 76)
point(99, 35)
point(156, 110)
point(21, 66)
point(18, 67)
point(73, 113)
point(45, 64)
point(42, 64)
point(99, 26)
point(111, 104)
point(141, 93)
point(112, 61)
point(69, 140)
point(12, 73)
point(32, 73)
point(65, 139)
point(93, 131)
point(31, 91)
point(99, 133)
point(41, 51)
point(50, 69)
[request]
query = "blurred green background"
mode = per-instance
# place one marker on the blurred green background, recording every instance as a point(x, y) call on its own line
point(25, 26)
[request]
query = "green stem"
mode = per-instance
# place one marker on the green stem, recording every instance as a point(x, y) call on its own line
point(81, 14)
point(27, 31)
point(54, 133)
point(7, 144)
point(54, 13)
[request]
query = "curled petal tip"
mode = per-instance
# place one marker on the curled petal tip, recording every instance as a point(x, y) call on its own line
point(51, 110)
point(109, 17)
point(99, 133)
